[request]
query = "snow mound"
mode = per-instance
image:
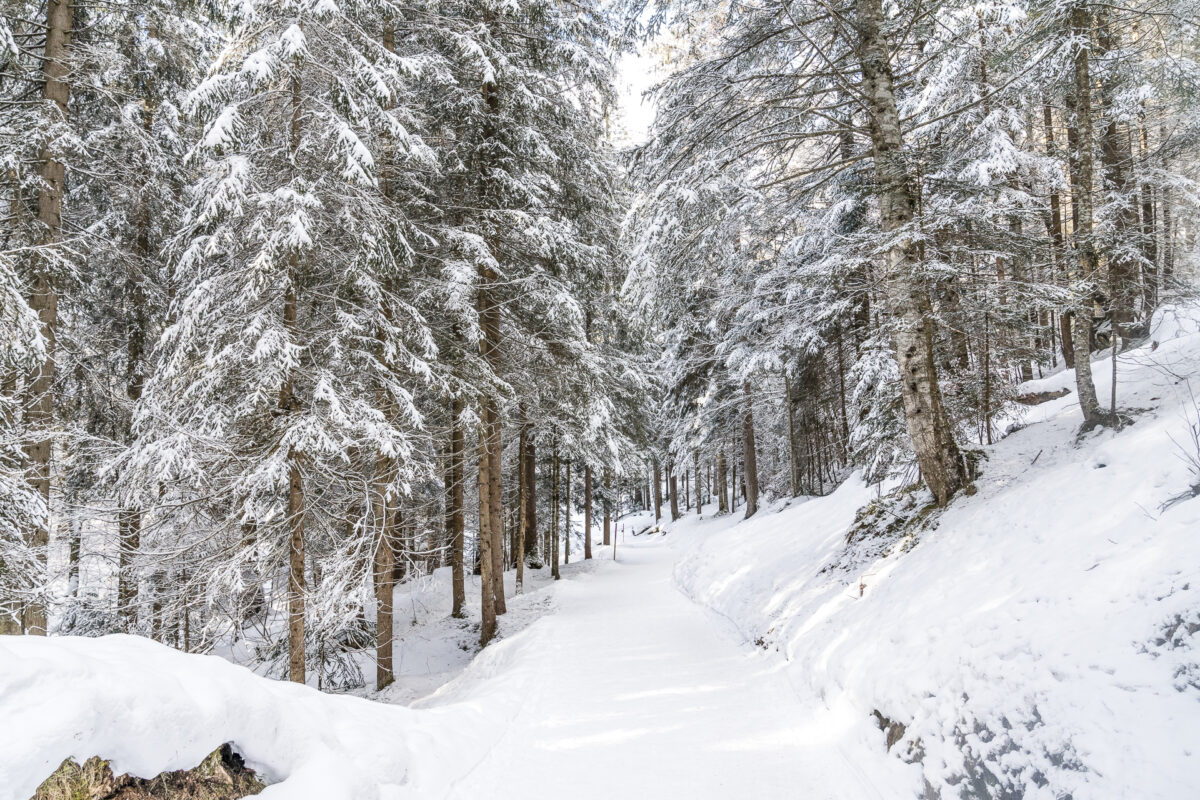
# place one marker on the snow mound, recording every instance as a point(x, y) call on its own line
point(147, 709)
point(1037, 640)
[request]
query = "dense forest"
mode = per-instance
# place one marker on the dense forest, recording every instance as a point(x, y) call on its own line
point(301, 300)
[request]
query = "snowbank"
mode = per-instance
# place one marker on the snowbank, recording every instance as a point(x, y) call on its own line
point(148, 708)
point(1036, 642)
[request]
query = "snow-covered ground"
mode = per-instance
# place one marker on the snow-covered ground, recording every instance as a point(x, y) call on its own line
point(1035, 641)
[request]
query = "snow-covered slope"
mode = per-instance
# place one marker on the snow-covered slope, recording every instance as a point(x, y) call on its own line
point(1037, 642)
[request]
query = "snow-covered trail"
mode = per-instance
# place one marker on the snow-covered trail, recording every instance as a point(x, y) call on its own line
point(639, 692)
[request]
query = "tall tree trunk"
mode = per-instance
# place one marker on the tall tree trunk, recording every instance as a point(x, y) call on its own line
point(607, 507)
point(383, 573)
point(1149, 234)
point(793, 461)
point(928, 425)
point(567, 515)
point(495, 496)
point(490, 523)
point(733, 486)
point(722, 483)
point(455, 478)
point(1057, 244)
point(657, 492)
point(699, 483)
point(484, 542)
point(297, 587)
point(554, 506)
point(1117, 158)
point(531, 496)
point(749, 457)
point(43, 300)
point(522, 506)
point(1082, 161)
point(587, 512)
point(1167, 246)
point(129, 523)
point(673, 481)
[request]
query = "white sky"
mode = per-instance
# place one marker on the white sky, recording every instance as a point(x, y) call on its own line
point(636, 72)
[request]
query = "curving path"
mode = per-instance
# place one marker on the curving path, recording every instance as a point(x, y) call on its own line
point(638, 692)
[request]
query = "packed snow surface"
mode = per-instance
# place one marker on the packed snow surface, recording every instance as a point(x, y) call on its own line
point(1035, 640)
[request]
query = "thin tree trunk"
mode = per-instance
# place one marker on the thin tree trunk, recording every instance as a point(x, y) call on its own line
point(384, 575)
point(733, 486)
point(722, 483)
point(43, 300)
point(567, 515)
point(1117, 158)
point(607, 507)
point(1149, 233)
point(749, 457)
point(487, 594)
point(793, 465)
point(130, 519)
point(699, 483)
point(496, 508)
point(455, 477)
point(1057, 244)
point(587, 512)
point(928, 425)
point(531, 496)
point(297, 587)
point(657, 492)
point(522, 507)
point(296, 581)
point(1086, 258)
point(554, 505)
point(490, 523)
point(673, 481)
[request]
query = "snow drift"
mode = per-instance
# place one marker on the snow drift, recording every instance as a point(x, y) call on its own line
point(1035, 640)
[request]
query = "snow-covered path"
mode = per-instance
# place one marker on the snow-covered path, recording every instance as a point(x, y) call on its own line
point(639, 692)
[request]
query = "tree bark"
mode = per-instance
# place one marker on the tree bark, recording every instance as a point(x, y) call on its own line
point(1117, 157)
point(587, 512)
point(1086, 258)
point(793, 461)
point(490, 523)
point(567, 515)
point(384, 575)
point(554, 505)
point(1057, 244)
point(531, 496)
point(454, 508)
point(673, 481)
point(657, 492)
point(929, 428)
point(749, 457)
point(722, 483)
point(484, 543)
point(699, 483)
point(607, 507)
point(43, 300)
point(297, 586)
point(522, 507)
